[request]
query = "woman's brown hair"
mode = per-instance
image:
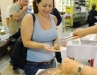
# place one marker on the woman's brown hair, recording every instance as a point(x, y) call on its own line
point(35, 8)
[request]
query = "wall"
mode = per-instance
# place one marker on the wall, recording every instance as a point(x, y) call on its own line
point(3, 5)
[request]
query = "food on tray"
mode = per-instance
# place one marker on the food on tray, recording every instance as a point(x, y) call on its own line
point(2, 32)
point(51, 71)
point(56, 47)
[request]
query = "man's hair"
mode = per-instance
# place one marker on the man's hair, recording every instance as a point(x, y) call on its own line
point(15, 1)
point(94, 6)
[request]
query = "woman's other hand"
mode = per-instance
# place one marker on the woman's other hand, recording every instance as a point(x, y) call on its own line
point(56, 47)
point(47, 47)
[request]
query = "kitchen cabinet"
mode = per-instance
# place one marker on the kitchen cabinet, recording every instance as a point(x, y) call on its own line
point(4, 40)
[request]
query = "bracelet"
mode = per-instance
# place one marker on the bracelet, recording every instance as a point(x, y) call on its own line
point(79, 70)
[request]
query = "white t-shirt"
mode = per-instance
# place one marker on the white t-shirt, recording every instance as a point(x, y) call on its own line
point(7, 11)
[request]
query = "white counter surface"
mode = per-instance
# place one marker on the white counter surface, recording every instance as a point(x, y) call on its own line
point(4, 37)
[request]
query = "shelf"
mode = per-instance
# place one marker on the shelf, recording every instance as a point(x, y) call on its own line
point(4, 37)
point(79, 19)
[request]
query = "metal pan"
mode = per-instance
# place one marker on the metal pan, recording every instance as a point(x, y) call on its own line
point(51, 71)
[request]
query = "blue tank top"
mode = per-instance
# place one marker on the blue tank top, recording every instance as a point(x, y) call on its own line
point(42, 36)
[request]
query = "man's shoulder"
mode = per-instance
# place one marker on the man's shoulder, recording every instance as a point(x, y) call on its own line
point(14, 9)
point(14, 5)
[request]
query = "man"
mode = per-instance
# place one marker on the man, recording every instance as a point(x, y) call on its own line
point(91, 16)
point(17, 12)
point(7, 12)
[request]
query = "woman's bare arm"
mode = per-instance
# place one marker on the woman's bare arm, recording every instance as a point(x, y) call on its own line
point(27, 27)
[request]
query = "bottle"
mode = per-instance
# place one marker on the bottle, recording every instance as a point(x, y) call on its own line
point(29, 9)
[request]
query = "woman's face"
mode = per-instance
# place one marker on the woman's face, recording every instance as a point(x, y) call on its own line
point(45, 7)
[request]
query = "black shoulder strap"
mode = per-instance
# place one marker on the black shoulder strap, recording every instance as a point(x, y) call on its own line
point(33, 17)
point(33, 20)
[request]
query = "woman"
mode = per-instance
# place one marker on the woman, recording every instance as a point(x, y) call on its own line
point(38, 37)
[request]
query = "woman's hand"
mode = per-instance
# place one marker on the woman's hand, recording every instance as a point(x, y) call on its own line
point(47, 47)
point(56, 47)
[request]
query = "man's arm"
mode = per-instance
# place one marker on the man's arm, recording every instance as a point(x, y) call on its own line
point(70, 67)
point(81, 32)
point(7, 15)
point(17, 15)
point(92, 29)
point(7, 21)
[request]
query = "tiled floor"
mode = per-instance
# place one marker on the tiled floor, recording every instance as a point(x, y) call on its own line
point(5, 59)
